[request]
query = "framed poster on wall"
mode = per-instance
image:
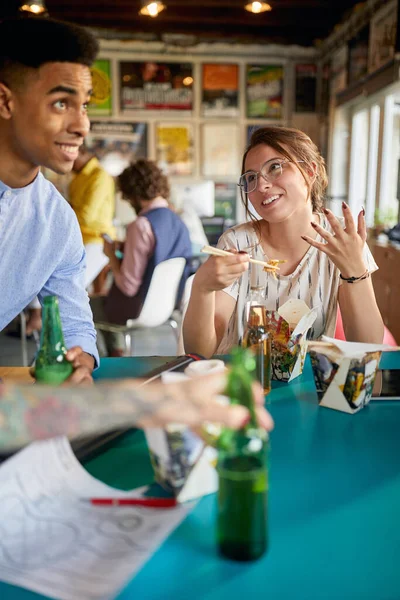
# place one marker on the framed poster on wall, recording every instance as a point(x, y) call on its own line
point(174, 148)
point(225, 200)
point(156, 86)
point(358, 56)
point(219, 149)
point(101, 99)
point(324, 98)
point(220, 90)
point(117, 144)
point(339, 70)
point(382, 36)
point(264, 90)
point(306, 88)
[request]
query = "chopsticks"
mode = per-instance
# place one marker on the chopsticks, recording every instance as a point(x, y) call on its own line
point(271, 266)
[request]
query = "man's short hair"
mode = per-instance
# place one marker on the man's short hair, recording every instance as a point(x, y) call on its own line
point(30, 42)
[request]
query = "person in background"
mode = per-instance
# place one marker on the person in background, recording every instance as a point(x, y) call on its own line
point(156, 235)
point(327, 259)
point(92, 196)
point(45, 86)
point(29, 413)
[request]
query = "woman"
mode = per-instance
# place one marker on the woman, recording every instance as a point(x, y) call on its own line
point(327, 260)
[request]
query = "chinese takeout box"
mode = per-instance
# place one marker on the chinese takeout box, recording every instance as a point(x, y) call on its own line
point(344, 372)
point(288, 327)
point(183, 464)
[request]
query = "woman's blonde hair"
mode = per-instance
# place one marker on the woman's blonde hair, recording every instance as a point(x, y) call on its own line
point(294, 145)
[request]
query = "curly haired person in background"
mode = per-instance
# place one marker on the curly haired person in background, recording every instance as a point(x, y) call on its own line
point(157, 234)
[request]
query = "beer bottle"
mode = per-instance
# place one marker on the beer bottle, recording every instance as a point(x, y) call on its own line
point(51, 365)
point(242, 472)
point(257, 338)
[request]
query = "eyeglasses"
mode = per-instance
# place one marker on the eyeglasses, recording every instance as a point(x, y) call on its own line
point(270, 171)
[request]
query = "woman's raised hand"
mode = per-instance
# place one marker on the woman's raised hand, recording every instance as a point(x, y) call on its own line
point(345, 245)
point(218, 272)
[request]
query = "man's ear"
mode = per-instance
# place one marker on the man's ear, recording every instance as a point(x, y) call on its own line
point(5, 101)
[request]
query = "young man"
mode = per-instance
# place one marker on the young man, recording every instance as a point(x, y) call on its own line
point(45, 85)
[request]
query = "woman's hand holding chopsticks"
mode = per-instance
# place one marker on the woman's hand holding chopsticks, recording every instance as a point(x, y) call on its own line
point(221, 270)
point(271, 266)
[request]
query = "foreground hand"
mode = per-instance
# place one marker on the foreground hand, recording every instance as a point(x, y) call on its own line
point(194, 402)
point(345, 246)
point(83, 365)
point(220, 271)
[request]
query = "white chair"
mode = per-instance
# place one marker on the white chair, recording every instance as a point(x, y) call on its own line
point(184, 304)
point(26, 362)
point(159, 303)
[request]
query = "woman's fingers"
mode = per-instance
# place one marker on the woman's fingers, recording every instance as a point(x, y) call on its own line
point(348, 219)
point(326, 235)
point(220, 271)
point(334, 223)
point(319, 245)
point(361, 225)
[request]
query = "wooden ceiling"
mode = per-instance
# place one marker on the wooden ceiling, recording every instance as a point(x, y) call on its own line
point(290, 21)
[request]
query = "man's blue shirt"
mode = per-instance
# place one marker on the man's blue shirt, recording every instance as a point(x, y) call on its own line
point(41, 254)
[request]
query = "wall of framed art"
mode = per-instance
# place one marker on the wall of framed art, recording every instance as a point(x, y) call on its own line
point(190, 113)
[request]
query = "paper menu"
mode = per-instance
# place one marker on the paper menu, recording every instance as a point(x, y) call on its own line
point(55, 544)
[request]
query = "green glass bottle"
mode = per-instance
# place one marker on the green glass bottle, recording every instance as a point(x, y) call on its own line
point(51, 365)
point(242, 471)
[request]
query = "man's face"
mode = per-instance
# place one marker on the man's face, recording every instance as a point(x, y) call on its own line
point(49, 116)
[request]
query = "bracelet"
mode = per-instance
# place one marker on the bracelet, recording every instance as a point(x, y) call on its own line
point(365, 275)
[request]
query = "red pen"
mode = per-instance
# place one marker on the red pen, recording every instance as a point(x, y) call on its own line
point(148, 502)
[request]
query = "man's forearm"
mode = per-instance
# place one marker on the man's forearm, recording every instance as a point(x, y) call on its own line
point(35, 412)
point(30, 413)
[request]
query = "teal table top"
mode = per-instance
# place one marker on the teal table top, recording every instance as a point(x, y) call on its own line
point(333, 506)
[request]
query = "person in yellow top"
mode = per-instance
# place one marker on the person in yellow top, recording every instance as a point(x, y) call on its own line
point(92, 196)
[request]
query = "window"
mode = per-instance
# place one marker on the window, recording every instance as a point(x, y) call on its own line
point(388, 206)
point(359, 161)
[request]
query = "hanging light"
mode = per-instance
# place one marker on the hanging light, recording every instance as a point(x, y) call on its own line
point(37, 7)
point(258, 7)
point(151, 9)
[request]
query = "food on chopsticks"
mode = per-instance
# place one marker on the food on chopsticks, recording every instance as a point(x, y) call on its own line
point(270, 267)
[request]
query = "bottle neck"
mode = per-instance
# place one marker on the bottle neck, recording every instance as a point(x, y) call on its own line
point(52, 333)
point(240, 390)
